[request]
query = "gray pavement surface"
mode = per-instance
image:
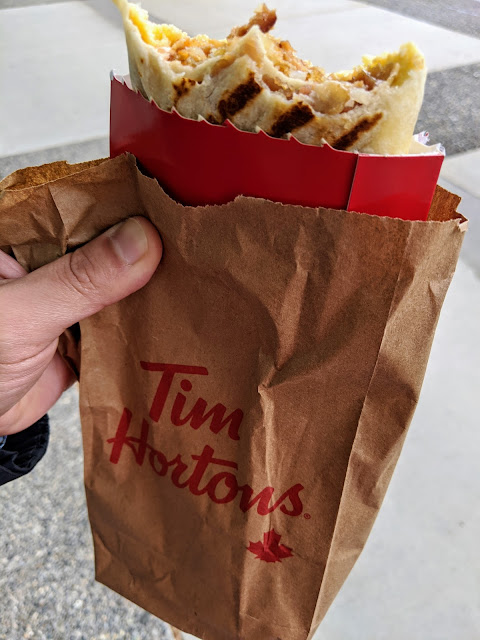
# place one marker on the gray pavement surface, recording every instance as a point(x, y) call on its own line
point(458, 15)
point(461, 15)
point(470, 208)
point(15, 4)
point(451, 110)
point(79, 152)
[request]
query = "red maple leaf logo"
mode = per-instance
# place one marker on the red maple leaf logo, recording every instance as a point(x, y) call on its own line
point(269, 550)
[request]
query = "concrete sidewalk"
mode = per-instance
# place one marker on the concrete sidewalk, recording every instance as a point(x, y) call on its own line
point(419, 575)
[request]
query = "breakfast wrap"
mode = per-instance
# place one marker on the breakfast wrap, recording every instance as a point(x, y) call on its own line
point(258, 82)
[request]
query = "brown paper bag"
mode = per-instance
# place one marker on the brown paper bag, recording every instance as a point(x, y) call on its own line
point(243, 413)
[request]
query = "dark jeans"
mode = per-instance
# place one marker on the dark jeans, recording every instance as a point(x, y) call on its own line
point(21, 451)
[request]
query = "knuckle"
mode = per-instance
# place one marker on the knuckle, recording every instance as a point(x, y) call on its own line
point(81, 274)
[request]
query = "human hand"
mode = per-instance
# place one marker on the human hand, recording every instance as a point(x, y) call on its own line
point(35, 308)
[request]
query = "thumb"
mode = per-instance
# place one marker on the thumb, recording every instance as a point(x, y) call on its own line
point(46, 301)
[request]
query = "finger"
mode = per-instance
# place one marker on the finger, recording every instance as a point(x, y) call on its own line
point(40, 398)
point(9, 267)
point(115, 264)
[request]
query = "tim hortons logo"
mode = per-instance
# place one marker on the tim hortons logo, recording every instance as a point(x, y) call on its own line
point(200, 473)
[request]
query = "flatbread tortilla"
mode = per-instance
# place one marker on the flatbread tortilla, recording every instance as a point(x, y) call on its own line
point(258, 82)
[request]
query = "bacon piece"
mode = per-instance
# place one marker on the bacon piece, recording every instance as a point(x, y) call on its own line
point(263, 17)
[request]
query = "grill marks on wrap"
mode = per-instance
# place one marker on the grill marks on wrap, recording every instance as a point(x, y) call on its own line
point(239, 98)
point(349, 138)
point(298, 115)
point(295, 117)
point(182, 88)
